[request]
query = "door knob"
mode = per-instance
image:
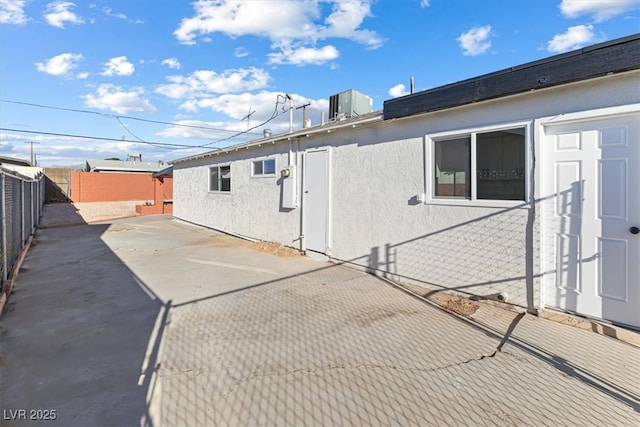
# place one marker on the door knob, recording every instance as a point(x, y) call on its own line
point(634, 230)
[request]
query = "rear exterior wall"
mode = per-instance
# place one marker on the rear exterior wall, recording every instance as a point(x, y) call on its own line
point(253, 206)
point(377, 172)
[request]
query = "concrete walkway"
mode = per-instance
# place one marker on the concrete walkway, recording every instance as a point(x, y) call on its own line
point(65, 214)
point(151, 321)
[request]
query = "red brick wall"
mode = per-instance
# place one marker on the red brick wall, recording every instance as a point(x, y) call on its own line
point(117, 187)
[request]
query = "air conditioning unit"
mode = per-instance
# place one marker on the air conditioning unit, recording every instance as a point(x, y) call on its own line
point(349, 103)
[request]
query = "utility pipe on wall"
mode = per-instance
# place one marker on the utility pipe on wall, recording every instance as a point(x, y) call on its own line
point(290, 98)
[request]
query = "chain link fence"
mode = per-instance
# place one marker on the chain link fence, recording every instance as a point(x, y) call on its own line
point(20, 209)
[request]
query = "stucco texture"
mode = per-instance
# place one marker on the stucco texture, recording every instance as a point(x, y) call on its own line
point(377, 172)
point(253, 206)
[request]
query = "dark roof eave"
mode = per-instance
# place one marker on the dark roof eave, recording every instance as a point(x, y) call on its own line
point(599, 60)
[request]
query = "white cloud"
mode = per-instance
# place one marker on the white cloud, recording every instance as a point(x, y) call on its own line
point(82, 76)
point(118, 66)
point(304, 55)
point(114, 98)
point(59, 12)
point(119, 15)
point(475, 41)
point(236, 107)
point(290, 26)
point(600, 10)
point(109, 12)
point(12, 12)
point(424, 3)
point(274, 19)
point(398, 90)
point(172, 63)
point(573, 38)
point(60, 65)
point(205, 82)
point(345, 21)
point(240, 52)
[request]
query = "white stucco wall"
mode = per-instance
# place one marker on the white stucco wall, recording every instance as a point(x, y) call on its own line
point(376, 172)
point(251, 209)
point(377, 223)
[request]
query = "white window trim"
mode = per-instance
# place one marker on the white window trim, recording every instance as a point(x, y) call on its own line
point(209, 179)
point(471, 132)
point(264, 175)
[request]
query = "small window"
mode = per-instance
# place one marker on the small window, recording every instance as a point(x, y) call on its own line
point(264, 167)
point(480, 165)
point(220, 178)
point(453, 168)
point(500, 165)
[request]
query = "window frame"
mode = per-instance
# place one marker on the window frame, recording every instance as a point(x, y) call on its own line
point(209, 169)
point(264, 175)
point(471, 133)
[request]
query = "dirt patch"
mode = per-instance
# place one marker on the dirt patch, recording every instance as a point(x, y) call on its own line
point(118, 228)
point(452, 303)
point(275, 249)
point(461, 306)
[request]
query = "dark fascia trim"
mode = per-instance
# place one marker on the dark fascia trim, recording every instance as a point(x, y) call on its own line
point(166, 172)
point(611, 57)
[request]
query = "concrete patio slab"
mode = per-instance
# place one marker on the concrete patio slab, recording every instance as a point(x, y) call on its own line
point(155, 322)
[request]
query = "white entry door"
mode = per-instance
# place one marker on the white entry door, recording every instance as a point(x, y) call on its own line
point(316, 200)
point(590, 211)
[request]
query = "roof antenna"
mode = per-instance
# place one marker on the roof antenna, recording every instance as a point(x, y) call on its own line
point(411, 85)
point(248, 116)
point(304, 113)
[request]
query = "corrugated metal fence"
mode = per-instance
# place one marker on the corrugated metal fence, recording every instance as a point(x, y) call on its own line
point(21, 206)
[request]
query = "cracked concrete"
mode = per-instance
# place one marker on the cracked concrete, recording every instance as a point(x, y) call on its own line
point(133, 333)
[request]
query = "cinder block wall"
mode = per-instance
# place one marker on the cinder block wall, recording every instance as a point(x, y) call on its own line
point(116, 187)
point(163, 192)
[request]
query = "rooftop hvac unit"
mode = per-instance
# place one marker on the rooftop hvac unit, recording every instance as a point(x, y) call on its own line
point(349, 103)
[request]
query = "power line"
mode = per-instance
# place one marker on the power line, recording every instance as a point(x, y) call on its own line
point(158, 144)
point(273, 116)
point(140, 141)
point(125, 127)
point(116, 116)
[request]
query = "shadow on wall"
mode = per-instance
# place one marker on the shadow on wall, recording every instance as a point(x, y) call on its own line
point(58, 184)
point(490, 257)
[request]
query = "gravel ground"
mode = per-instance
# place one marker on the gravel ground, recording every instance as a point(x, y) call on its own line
point(58, 214)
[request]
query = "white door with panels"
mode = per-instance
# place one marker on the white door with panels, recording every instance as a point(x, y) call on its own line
point(591, 217)
point(316, 200)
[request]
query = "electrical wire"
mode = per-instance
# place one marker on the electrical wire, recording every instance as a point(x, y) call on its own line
point(273, 116)
point(116, 116)
point(141, 141)
point(157, 144)
point(125, 127)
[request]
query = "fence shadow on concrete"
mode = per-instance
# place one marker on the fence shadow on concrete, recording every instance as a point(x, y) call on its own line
point(321, 360)
point(80, 335)
point(314, 353)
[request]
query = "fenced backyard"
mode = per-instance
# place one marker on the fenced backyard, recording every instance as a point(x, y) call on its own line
point(21, 201)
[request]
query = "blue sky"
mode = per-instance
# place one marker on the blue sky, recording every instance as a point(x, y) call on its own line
point(187, 73)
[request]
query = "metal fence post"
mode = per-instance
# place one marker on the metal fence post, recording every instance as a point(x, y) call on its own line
point(32, 185)
point(23, 220)
point(5, 260)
